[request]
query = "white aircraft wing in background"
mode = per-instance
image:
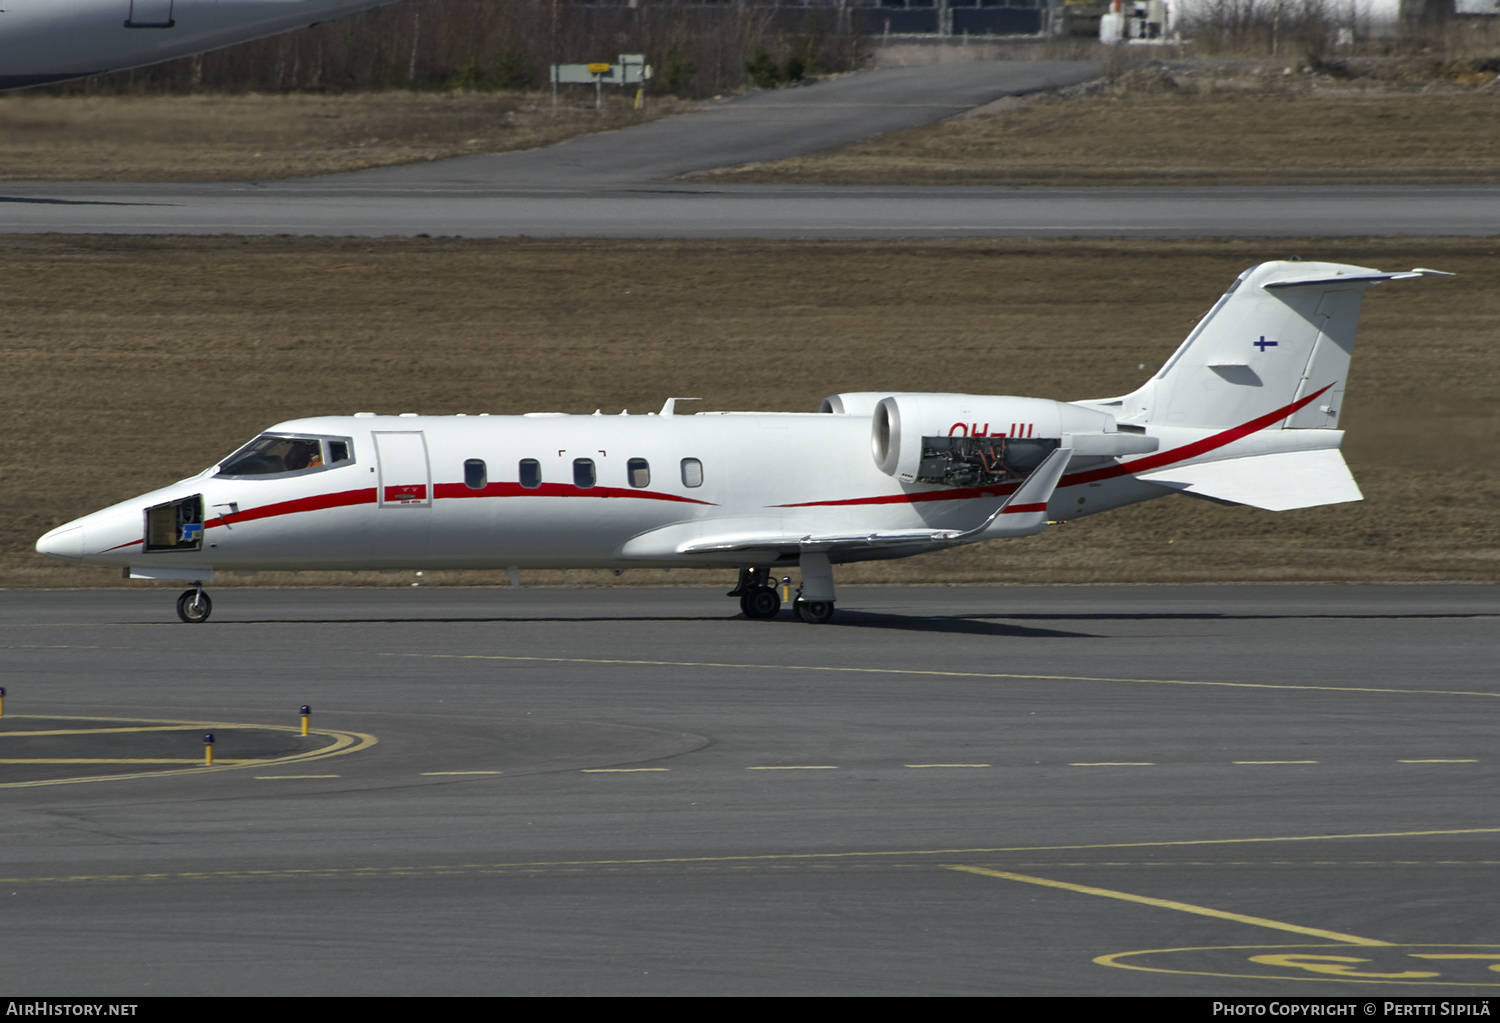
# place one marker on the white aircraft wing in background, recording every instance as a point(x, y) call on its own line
point(44, 41)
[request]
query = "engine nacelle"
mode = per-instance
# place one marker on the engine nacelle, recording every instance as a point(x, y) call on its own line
point(852, 403)
point(968, 440)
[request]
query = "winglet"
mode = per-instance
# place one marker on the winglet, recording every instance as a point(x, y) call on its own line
point(1026, 511)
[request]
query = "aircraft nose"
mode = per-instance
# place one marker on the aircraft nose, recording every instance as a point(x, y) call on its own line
point(62, 542)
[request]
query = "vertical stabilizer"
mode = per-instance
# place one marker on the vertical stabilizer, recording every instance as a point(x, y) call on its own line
point(1281, 335)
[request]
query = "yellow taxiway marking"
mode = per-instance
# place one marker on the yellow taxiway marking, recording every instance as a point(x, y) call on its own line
point(1181, 907)
point(621, 770)
point(131, 760)
point(106, 731)
point(435, 774)
point(1275, 762)
point(1317, 963)
point(927, 672)
point(814, 859)
point(292, 777)
point(947, 765)
point(342, 742)
point(1436, 760)
point(797, 767)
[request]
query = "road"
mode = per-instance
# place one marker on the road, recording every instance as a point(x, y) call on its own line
point(951, 790)
point(620, 185)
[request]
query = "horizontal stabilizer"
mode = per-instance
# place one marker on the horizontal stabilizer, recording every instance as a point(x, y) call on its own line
point(1284, 331)
point(1276, 482)
point(1367, 277)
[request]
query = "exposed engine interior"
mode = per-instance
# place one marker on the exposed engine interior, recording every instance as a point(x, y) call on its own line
point(980, 461)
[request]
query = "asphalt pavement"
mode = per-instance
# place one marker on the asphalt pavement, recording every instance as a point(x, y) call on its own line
point(949, 790)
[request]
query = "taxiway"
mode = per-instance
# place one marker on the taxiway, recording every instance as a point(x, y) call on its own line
point(949, 790)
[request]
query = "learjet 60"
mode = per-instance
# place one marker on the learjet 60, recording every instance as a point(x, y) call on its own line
point(1245, 412)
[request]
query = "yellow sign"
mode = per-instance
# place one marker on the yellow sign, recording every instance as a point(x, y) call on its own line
point(599, 69)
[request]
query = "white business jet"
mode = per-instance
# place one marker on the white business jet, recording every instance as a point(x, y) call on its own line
point(45, 41)
point(1244, 412)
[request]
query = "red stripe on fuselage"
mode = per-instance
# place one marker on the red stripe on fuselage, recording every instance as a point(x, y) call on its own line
point(349, 498)
point(445, 490)
point(1193, 450)
point(318, 502)
point(1143, 464)
point(956, 494)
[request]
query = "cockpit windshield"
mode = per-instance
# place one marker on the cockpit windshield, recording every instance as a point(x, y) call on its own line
point(273, 454)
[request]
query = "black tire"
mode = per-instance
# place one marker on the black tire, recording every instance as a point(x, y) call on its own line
point(815, 612)
point(761, 602)
point(194, 607)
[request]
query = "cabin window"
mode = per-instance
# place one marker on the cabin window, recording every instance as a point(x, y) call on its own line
point(583, 473)
point(639, 472)
point(474, 474)
point(273, 454)
point(692, 472)
point(531, 473)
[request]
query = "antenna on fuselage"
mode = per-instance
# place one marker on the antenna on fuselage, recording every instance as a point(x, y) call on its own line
point(669, 407)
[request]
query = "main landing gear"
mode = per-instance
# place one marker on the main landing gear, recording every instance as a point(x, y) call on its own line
point(815, 598)
point(761, 602)
point(757, 599)
point(814, 604)
point(194, 606)
point(815, 612)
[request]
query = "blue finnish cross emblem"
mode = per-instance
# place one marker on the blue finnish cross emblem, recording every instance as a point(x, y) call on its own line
point(1263, 344)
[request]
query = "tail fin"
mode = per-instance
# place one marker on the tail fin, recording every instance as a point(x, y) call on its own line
point(1281, 336)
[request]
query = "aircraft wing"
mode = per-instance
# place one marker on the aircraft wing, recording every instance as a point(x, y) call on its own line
point(814, 544)
point(1024, 512)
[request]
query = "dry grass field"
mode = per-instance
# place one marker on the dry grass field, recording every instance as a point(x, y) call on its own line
point(131, 362)
point(1340, 136)
point(217, 137)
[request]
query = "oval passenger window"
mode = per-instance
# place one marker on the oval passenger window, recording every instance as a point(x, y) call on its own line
point(583, 473)
point(638, 470)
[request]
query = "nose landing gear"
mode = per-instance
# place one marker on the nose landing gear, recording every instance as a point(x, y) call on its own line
point(194, 606)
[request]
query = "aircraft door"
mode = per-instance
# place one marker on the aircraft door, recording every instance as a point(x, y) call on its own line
point(404, 477)
point(404, 498)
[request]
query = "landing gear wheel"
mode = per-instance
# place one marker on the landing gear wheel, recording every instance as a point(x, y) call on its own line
point(194, 606)
point(815, 612)
point(761, 602)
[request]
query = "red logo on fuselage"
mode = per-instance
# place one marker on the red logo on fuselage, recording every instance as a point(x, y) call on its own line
point(406, 493)
point(975, 430)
